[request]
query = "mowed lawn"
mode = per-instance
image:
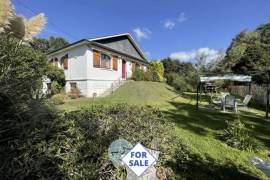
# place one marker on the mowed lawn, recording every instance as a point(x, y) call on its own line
point(198, 129)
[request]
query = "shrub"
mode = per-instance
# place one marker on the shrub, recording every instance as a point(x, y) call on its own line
point(178, 82)
point(56, 74)
point(58, 99)
point(170, 77)
point(148, 75)
point(55, 88)
point(49, 145)
point(21, 69)
point(138, 74)
point(157, 70)
point(237, 136)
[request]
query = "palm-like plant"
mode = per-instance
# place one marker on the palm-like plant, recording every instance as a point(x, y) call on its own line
point(18, 26)
point(6, 14)
point(33, 26)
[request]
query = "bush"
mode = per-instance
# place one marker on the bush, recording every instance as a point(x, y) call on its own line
point(55, 88)
point(138, 74)
point(148, 76)
point(56, 74)
point(58, 99)
point(157, 70)
point(178, 82)
point(21, 69)
point(237, 136)
point(49, 145)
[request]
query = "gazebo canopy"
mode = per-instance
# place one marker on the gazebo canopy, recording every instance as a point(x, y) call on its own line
point(239, 78)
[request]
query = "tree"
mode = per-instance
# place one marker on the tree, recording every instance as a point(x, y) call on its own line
point(181, 75)
point(41, 44)
point(157, 70)
point(48, 45)
point(248, 51)
point(237, 48)
point(57, 42)
point(255, 58)
point(264, 33)
point(21, 69)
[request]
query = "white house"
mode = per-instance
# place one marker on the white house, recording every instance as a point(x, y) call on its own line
point(93, 65)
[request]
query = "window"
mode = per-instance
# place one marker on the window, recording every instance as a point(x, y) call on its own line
point(105, 61)
point(49, 86)
point(64, 61)
point(73, 85)
point(55, 61)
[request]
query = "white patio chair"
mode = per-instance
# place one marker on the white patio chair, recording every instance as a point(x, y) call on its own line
point(219, 100)
point(245, 102)
point(230, 102)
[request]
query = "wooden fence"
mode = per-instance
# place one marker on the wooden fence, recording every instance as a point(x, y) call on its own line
point(258, 92)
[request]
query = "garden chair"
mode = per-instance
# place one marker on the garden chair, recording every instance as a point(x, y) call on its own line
point(230, 101)
point(245, 102)
point(219, 100)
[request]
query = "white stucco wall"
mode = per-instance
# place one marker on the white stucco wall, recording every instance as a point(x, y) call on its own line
point(88, 78)
point(98, 79)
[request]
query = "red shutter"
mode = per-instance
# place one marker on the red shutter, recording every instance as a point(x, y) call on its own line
point(96, 59)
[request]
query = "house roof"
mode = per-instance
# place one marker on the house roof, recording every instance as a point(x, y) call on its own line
point(96, 42)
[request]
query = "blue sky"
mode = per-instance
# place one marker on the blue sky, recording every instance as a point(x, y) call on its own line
point(162, 28)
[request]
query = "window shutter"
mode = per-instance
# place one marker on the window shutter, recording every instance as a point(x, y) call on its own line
point(96, 59)
point(133, 66)
point(66, 62)
point(115, 63)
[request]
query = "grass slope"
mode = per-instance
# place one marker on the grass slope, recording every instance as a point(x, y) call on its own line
point(197, 128)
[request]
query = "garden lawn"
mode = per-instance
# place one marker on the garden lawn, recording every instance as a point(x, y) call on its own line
point(198, 129)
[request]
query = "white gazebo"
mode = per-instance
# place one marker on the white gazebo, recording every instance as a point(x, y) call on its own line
point(205, 79)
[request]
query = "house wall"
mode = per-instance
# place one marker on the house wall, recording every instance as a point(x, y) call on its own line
point(98, 79)
point(88, 78)
point(77, 71)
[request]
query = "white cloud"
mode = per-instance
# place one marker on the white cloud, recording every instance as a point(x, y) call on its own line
point(189, 56)
point(182, 17)
point(169, 24)
point(142, 33)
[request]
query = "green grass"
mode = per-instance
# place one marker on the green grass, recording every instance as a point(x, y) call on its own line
point(198, 129)
point(135, 93)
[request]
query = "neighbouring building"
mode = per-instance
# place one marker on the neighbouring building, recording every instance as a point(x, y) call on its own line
point(93, 65)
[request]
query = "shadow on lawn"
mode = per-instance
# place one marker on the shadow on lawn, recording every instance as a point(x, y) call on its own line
point(208, 120)
point(197, 167)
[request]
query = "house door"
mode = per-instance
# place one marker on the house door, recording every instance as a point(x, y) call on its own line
point(123, 69)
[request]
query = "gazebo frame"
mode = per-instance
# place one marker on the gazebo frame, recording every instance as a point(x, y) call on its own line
point(232, 77)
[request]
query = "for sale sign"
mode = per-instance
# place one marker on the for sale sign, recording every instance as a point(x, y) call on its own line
point(138, 159)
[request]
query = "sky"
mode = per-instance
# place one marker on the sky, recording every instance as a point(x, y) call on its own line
point(162, 28)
